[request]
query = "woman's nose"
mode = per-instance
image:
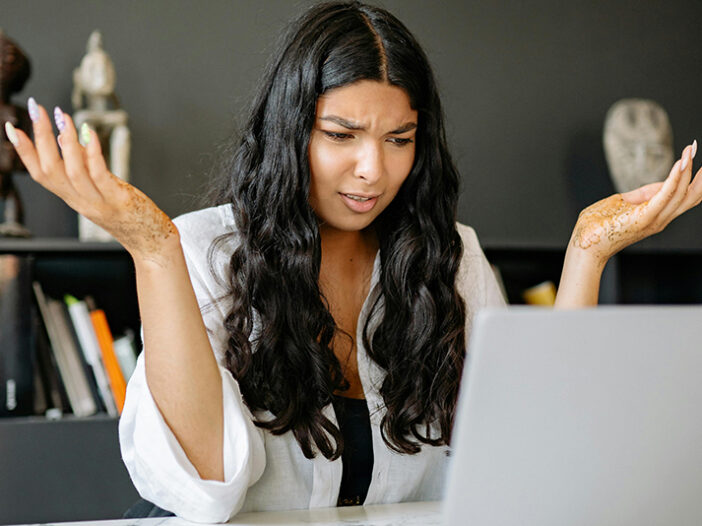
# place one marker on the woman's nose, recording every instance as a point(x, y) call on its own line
point(369, 164)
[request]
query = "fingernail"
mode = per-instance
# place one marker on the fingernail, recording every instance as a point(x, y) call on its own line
point(11, 133)
point(33, 109)
point(694, 148)
point(58, 118)
point(85, 133)
point(685, 159)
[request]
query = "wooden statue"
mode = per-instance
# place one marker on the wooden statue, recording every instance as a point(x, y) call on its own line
point(95, 103)
point(14, 73)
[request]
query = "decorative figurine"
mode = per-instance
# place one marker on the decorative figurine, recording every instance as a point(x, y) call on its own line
point(14, 73)
point(96, 104)
point(638, 143)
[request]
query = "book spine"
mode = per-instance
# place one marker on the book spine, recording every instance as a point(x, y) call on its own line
point(91, 349)
point(114, 373)
point(87, 404)
point(66, 370)
point(48, 368)
point(56, 350)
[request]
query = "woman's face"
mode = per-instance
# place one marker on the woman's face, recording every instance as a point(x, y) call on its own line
point(361, 151)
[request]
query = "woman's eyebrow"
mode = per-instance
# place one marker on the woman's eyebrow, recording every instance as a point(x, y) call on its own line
point(355, 126)
point(342, 122)
point(405, 128)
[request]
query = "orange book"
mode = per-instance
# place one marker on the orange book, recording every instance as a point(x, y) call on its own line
point(109, 358)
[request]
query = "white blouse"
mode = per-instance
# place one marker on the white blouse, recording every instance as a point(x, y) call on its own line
point(262, 471)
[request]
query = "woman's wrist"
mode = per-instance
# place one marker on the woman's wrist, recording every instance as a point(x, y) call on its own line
point(580, 280)
point(158, 253)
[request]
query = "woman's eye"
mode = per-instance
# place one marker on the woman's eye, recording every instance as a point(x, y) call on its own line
point(399, 141)
point(337, 136)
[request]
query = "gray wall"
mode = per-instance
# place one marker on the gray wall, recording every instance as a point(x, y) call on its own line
point(526, 86)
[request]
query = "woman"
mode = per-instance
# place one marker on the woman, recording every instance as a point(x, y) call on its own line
point(334, 273)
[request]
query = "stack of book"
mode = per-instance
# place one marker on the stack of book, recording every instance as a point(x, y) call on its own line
point(57, 355)
point(93, 368)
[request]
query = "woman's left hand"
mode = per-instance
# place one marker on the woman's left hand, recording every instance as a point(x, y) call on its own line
point(609, 225)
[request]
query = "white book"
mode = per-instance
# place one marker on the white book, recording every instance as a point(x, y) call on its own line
point(62, 361)
point(86, 403)
point(78, 311)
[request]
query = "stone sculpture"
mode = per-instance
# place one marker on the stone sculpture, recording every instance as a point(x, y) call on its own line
point(638, 143)
point(96, 104)
point(15, 70)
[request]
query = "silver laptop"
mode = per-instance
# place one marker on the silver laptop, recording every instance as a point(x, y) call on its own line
point(589, 417)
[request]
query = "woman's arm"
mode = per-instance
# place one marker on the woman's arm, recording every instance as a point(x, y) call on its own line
point(181, 369)
point(608, 226)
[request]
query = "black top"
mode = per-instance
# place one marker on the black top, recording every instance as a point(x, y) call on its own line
point(357, 458)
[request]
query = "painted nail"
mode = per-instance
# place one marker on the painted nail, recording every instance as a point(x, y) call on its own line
point(685, 159)
point(85, 133)
point(11, 133)
point(33, 109)
point(58, 118)
point(694, 148)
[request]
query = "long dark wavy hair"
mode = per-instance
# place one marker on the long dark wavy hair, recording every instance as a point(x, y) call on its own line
point(415, 330)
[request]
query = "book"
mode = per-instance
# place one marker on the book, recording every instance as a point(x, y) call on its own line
point(66, 354)
point(109, 358)
point(89, 345)
point(125, 349)
point(55, 392)
point(89, 399)
point(16, 342)
point(543, 294)
point(75, 343)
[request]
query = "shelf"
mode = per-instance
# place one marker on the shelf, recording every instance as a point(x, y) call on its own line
point(641, 248)
point(67, 419)
point(57, 245)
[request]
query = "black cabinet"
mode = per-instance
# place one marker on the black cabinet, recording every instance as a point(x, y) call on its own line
point(69, 469)
point(637, 275)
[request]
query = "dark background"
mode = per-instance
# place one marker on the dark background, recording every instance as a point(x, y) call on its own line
point(526, 86)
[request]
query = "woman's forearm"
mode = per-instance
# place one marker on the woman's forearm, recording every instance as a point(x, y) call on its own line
point(580, 279)
point(181, 369)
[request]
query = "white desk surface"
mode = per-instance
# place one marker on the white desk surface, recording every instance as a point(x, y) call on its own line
point(405, 514)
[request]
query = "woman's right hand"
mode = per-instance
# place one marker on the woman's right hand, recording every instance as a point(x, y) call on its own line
point(80, 177)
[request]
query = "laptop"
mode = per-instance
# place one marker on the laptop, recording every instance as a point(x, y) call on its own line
point(587, 417)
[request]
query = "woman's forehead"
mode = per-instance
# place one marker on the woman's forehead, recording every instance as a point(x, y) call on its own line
point(367, 101)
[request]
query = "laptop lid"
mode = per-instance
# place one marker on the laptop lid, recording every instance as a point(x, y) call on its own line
point(587, 417)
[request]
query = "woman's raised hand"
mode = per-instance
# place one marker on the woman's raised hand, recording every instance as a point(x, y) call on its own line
point(78, 175)
point(608, 226)
point(616, 222)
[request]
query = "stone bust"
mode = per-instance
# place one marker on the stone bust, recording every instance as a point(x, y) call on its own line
point(638, 143)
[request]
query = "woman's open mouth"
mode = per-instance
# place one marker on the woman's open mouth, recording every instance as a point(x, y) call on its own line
point(359, 203)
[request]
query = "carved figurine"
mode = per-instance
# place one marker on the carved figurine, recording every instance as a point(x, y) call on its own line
point(638, 143)
point(14, 73)
point(96, 104)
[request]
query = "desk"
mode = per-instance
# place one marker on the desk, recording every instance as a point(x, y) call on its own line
point(406, 513)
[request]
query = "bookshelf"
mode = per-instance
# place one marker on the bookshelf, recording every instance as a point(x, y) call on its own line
point(69, 469)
